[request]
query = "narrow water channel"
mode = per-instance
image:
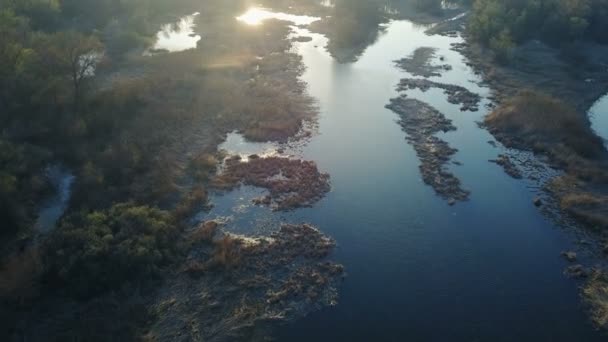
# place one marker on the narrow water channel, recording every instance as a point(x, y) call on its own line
point(418, 269)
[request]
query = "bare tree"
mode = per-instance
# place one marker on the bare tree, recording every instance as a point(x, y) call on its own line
point(75, 55)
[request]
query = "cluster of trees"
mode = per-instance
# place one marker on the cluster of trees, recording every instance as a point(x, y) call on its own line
point(122, 244)
point(501, 24)
point(49, 54)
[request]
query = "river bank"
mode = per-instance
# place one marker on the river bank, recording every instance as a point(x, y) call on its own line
point(542, 99)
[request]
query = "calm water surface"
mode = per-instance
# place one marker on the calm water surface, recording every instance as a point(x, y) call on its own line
point(420, 270)
point(177, 36)
point(598, 114)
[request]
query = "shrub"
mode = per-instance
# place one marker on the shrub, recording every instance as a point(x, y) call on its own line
point(547, 123)
point(91, 253)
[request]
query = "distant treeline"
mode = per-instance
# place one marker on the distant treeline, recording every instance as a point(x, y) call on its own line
point(501, 24)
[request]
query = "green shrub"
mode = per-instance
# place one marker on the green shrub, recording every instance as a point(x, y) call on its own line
point(91, 253)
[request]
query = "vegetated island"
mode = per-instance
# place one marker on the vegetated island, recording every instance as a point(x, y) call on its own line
point(421, 122)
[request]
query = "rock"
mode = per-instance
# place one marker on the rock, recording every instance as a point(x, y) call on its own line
point(576, 271)
point(570, 256)
point(538, 201)
point(302, 39)
point(508, 166)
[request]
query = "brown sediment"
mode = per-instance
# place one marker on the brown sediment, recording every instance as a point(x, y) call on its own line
point(508, 165)
point(421, 122)
point(235, 287)
point(419, 63)
point(292, 183)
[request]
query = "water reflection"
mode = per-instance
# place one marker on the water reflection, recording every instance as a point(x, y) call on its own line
point(54, 207)
point(598, 114)
point(177, 36)
point(257, 15)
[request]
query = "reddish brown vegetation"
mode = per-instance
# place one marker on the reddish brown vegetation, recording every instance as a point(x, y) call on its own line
point(292, 183)
point(18, 275)
point(204, 232)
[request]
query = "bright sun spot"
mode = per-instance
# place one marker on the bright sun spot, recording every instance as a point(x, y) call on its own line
point(255, 16)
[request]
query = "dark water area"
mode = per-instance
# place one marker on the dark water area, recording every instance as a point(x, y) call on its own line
point(53, 208)
point(418, 269)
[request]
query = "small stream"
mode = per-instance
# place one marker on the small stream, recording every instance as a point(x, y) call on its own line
point(418, 269)
point(53, 208)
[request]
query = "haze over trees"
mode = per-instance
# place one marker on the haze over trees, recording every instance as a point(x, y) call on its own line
point(501, 24)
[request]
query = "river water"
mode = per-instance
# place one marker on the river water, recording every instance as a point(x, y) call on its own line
point(418, 269)
point(598, 115)
point(176, 36)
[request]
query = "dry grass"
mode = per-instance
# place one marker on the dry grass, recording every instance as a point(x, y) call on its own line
point(227, 252)
point(589, 207)
point(203, 166)
point(595, 293)
point(204, 232)
point(18, 275)
point(190, 203)
point(547, 124)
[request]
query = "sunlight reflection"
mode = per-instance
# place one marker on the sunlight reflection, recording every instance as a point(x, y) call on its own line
point(257, 15)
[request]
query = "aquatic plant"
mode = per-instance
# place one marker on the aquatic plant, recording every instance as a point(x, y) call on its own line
point(292, 183)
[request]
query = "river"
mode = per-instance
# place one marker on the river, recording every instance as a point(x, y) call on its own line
point(598, 115)
point(418, 269)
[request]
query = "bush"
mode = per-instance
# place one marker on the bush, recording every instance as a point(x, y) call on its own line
point(547, 123)
point(101, 251)
point(554, 21)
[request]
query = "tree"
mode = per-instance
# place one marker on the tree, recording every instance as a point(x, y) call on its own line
point(91, 253)
point(74, 55)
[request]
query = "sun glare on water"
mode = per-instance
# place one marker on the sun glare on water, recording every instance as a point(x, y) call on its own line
point(255, 16)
